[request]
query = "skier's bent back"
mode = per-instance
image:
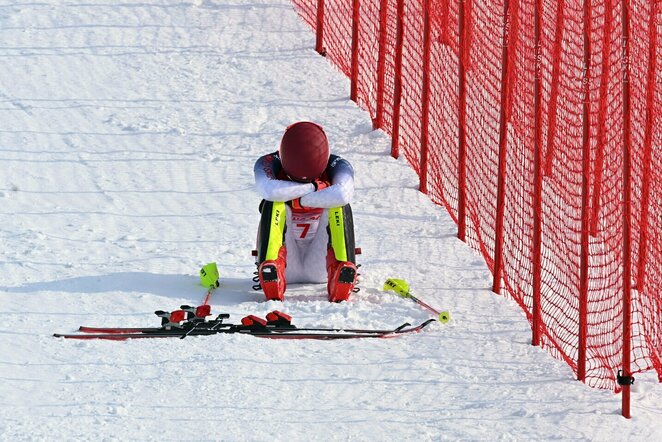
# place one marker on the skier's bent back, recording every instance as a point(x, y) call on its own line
point(306, 231)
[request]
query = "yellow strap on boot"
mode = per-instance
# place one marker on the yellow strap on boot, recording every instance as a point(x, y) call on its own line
point(337, 230)
point(276, 230)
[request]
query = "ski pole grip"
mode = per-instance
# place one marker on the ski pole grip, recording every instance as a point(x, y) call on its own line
point(398, 286)
point(209, 275)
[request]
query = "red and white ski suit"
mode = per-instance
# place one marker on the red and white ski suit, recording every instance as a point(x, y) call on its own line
point(306, 237)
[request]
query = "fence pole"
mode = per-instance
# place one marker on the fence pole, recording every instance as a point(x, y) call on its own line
point(586, 179)
point(537, 176)
point(503, 141)
point(462, 125)
point(651, 85)
point(627, 210)
point(378, 121)
point(397, 93)
point(425, 117)
point(356, 10)
point(602, 116)
point(554, 92)
point(445, 11)
point(319, 31)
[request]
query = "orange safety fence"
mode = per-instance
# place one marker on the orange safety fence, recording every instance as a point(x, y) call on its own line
point(537, 126)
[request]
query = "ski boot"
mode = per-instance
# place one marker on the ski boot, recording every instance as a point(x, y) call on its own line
point(271, 274)
point(341, 278)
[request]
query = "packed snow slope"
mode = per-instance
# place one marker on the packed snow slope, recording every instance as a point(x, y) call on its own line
point(128, 133)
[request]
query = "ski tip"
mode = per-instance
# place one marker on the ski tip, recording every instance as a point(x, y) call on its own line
point(426, 323)
point(402, 327)
point(444, 317)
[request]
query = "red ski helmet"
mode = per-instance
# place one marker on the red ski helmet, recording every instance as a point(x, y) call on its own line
point(304, 151)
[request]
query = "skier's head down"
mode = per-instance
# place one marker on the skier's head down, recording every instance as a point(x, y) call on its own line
point(304, 151)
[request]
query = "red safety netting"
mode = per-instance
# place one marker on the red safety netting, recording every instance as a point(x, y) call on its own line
point(582, 103)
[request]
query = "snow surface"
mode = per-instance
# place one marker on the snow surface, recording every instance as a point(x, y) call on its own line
point(128, 133)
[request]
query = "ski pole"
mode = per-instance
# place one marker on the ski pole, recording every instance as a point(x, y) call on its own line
point(401, 288)
point(209, 279)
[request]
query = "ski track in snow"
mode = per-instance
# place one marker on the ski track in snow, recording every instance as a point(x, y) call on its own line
point(128, 135)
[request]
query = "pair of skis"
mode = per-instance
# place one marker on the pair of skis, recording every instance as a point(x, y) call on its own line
point(276, 326)
point(192, 321)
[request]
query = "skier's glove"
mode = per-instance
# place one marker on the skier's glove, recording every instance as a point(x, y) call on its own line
point(320, 184)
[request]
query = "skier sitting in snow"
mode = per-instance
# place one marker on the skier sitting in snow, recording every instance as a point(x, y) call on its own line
point(306, 231)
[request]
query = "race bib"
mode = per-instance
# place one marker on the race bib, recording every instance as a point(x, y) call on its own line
point(305, 224)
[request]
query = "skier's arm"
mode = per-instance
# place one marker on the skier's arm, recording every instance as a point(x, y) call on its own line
point(341, 191)
point(270, 188)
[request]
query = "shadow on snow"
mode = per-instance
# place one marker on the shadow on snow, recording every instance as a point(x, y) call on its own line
point(232, 291)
